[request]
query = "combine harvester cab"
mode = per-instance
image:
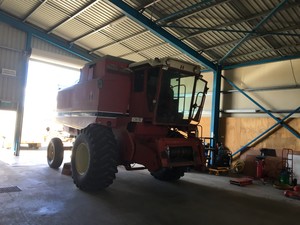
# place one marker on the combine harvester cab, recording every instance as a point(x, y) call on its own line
point(123, 113)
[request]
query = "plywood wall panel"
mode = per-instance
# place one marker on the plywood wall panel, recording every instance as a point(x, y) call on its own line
point(237, 132)
point(205, 124)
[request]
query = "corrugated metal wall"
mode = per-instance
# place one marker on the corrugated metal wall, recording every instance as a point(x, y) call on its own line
point(44, 51)
point(12, 56)
point(12, 44)
point(47, 47)
point(275, 86)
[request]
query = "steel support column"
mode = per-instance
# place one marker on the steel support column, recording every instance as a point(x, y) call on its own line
point(215, 111)
point(21, 102)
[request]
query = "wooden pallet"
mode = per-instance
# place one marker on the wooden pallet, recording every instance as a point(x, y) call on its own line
point(218, 170)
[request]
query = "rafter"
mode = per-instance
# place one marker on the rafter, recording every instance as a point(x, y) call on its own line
point(264, 51)
point(208, 29)
point(232, 42)
point(190, 11)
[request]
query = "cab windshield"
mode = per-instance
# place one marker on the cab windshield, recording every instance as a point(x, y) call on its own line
point(181, 97)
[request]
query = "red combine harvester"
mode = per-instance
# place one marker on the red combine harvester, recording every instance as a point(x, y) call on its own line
point(124, 113)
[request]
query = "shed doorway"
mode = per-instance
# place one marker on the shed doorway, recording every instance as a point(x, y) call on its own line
point(43, 82)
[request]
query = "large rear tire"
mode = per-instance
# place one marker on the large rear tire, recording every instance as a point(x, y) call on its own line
point(94, 158)
point(168, 174)
point(55, 153)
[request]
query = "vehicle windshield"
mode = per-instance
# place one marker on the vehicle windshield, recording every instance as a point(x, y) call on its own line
point(181, 97)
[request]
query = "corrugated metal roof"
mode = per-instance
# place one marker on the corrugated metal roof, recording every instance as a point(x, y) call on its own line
point(53, 16)
point(18, 8)
point(96, 40)
point(211, 28)
point(71, 29)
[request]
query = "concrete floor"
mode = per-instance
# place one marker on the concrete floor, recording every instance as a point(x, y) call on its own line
point(135, 198)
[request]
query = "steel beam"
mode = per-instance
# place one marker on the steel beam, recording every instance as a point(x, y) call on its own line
point(235, 22)
point(259, 62)
point(54, 40)
point(207, 29)
point(261, 107)
point(246, 37)
point(163, 34)
point(189, 11)
point(265, 132)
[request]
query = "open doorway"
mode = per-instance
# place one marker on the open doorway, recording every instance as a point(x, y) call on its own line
point(7, 128)
point(43, 82)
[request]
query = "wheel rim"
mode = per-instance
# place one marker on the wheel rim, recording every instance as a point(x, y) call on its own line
point(50, 153)
point(82, 159)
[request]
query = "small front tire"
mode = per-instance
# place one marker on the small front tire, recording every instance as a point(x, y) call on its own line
point(55, 153)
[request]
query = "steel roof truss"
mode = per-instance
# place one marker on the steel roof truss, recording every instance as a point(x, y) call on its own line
point(190, 11)
point(245, 38)
point(145, 22)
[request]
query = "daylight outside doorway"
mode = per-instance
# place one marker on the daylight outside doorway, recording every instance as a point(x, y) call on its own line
point(43, 82)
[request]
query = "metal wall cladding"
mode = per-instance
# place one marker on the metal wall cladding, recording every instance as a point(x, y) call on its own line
point(12, 44)
point(11, 37)
point(274, 85)
point(45, 46)
point(12, 58)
